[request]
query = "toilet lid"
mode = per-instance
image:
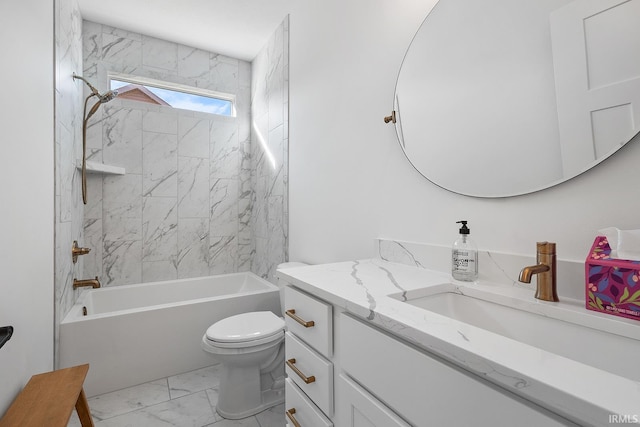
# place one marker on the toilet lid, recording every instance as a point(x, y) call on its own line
point(246, 327)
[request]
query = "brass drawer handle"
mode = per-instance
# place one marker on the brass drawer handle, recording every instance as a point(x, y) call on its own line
point(307, 380)
point(306, 323)
point(290, 413)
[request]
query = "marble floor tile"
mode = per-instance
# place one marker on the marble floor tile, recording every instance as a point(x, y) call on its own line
point(187, 400)
point(273, 417)
point(212, 394)
point(193, 410)
point(194, 381)
point(245, 422)
point(130, 399)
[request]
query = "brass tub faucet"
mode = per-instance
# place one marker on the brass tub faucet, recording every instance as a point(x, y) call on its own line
point(94, 283)
point(545, 269)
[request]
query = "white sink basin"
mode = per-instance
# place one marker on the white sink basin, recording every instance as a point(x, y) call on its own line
point(566, 329)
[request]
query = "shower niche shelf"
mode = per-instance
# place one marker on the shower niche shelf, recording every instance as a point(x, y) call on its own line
point(101, 168)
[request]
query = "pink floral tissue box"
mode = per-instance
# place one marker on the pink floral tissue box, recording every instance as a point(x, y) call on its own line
point(613, 285)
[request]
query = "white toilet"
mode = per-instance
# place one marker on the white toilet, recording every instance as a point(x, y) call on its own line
point(250, 349)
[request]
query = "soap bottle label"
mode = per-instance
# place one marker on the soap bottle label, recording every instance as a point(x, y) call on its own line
point(463, 261)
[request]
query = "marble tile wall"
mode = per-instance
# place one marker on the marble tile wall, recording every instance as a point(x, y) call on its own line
point(270, 138)
point(175, 213)
point(68, 148)
point(184, 208)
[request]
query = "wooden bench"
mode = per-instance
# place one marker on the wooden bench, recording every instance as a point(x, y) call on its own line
point(48, 400)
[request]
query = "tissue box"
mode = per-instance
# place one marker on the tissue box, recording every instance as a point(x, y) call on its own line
point(612, 285)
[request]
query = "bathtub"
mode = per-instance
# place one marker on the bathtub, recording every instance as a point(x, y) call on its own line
point(133, 334)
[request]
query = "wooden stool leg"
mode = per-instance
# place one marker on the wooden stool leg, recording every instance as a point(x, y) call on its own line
point(82, 408)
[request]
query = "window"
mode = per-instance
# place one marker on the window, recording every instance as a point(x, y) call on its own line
point(173, 95)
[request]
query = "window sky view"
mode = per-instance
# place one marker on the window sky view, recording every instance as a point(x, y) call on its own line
point(186, 101)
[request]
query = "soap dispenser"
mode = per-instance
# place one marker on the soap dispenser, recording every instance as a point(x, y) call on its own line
point(464, 256)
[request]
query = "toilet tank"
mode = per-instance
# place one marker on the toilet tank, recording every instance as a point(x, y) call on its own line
point(281, 284)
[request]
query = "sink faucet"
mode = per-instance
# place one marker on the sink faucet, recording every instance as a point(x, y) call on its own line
point(94, 283)
point(546, 271)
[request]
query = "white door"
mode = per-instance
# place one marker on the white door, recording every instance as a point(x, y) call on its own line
point(597, 71)
point(360, 409)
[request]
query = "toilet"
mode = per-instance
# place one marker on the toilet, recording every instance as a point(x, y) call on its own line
point(250, 349)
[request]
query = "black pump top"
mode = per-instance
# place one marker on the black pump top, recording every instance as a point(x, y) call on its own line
point(463, 229)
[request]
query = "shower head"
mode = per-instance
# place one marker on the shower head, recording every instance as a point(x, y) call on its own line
point(108, 96)
point(102, 99)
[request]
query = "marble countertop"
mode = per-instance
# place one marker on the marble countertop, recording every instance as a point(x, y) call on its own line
point(582, 393)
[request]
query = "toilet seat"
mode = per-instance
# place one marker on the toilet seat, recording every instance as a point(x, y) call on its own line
point(245, 330)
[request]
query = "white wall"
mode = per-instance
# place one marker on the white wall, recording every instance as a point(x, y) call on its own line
point(69, 209)
point(269, 140)
point(350, 182)
point(26, 171)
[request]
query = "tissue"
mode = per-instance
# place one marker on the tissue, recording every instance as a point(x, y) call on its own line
point(611, 233)
point(629, 244)
point(624, 244)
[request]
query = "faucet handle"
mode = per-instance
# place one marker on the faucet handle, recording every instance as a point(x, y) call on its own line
point(77, 250)
point(548, 248)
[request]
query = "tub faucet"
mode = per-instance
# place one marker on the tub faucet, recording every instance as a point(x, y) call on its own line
point(546, 271)
point(94, 283)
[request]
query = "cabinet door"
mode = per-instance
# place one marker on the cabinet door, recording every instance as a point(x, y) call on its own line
point(426, 390)
point(359, 409)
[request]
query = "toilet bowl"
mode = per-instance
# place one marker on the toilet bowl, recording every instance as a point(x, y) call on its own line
point(250, 349)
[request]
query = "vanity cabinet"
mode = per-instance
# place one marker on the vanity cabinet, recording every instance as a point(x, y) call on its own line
point(366, 376)
point(422, 388)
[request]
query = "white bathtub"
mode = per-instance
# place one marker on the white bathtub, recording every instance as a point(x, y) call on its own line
point(137, 333)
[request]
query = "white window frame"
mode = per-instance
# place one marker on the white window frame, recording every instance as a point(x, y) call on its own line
point(177, 87)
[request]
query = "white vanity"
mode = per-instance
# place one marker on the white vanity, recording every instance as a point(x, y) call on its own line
point(381, 356)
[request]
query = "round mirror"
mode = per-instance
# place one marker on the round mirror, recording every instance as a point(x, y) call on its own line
point(503, 98)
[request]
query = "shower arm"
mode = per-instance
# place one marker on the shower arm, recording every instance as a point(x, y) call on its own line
point(93, 89)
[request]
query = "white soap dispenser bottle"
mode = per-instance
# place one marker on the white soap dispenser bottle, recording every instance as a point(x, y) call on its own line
point(464, 256)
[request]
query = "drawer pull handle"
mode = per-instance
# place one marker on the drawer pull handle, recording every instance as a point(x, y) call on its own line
point(290, 413)
point(307, 380)
point(306, 323)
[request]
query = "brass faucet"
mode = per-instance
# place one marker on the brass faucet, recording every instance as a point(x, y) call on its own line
point(546, 271)
point(77, 250)
point(94, 283)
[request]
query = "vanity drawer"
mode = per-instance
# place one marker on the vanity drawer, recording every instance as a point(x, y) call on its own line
point(302, 409)
point(317, 370)
point(303, 308)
